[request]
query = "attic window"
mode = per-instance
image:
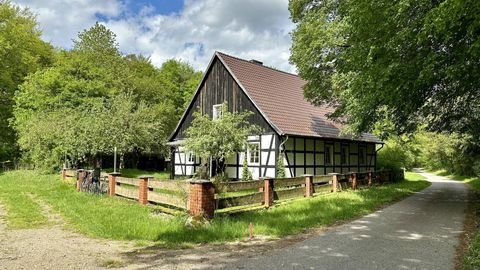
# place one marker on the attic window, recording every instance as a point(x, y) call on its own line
point(217, 111)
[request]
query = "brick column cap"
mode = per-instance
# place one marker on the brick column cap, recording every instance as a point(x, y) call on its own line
point(333, 173)
point(265, 178)
point(352, 172)
point(146, 177)
point(114, 173)
point(198, 181)
point(80, 170)
point(307, 175)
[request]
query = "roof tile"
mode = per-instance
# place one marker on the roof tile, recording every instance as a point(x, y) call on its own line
point(279, 95)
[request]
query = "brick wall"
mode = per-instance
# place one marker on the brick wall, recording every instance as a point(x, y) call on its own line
point(201, 198)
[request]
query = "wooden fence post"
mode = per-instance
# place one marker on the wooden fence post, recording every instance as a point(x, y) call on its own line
point(354, 180)
point(143, 189)
point(369, 179)
point(201, 198)
point(267, 191)
point(112, 183)
point(308, 185)
point(80, 177)
point(334, 181)
point(64, 174)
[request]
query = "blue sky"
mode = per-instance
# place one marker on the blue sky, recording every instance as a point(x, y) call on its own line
point(164, 7)
point(189, 30)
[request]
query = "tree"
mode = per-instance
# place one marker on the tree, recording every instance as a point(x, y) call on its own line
point(220, 138)
point(407, 61)
point(91, 100)
point(22, 51)
point(246, 173)
point(179, 81)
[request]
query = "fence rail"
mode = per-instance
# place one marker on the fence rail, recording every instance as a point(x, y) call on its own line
point(203, 197)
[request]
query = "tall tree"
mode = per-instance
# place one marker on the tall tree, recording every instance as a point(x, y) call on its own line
point(97, 99)
point(22, 51)
point(407, 61)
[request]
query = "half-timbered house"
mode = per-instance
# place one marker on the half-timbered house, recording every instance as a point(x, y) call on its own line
point(309, 141)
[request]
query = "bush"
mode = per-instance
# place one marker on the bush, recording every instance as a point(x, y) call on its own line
point(396, 154)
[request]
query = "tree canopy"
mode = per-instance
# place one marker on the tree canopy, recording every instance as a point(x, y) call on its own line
point(407, 61)
point(219, 138)
point(93, 99)
point(22, 51)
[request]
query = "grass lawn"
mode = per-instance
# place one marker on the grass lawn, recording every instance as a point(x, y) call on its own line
point(117, 218)
point(472, 258)
point(135, 173)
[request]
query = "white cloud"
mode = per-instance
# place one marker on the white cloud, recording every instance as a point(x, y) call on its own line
point(251, 29)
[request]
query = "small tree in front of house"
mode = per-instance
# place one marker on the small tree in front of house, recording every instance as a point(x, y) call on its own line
point(219, 138)
point(280, 166)
point(246, 173)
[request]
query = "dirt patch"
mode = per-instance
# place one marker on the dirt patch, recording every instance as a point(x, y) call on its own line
point(53, 247)
point(471, 225)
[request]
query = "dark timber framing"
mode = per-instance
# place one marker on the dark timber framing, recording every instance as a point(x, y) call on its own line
point(303, 155)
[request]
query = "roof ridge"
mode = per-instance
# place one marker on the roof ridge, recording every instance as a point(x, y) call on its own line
point(245, 60)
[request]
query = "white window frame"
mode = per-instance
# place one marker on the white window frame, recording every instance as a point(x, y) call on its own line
point(190, 158)
point(250, 152)
point(217, 111)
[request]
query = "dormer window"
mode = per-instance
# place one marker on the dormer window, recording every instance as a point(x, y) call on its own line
point(217, 111)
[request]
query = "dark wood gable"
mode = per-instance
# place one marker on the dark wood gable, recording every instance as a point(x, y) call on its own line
point(217, 87)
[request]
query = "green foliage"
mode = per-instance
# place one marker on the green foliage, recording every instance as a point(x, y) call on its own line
point(94, 99)
point(21, 52)
point(246, 173)
point(408, 61)
point(455, 153)
point(280, 169)
point(219, 138)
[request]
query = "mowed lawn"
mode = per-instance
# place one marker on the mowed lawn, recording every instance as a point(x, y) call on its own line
point(117, 218)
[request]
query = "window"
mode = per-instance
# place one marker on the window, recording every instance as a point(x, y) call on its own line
point(361, 155)
point(343, 155)
point(328, 154)
point(217, 111)
point(191, 158)
point(253, 153)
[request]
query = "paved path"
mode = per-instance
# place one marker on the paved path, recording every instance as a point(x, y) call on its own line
point(420, 232)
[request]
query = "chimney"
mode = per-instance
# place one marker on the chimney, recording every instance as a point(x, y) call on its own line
point(256, 62)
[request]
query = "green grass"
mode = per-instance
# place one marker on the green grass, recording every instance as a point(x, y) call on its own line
point(135, 173)
point(117, 218)
point(472, 258)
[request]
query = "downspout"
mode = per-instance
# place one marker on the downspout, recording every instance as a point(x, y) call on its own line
point(280, 153)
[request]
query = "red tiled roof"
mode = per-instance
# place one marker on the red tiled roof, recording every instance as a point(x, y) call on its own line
point(279, 96)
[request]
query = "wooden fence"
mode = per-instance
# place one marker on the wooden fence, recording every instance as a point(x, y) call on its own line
point(204, 197)
point(170, 193)
point(235, 194)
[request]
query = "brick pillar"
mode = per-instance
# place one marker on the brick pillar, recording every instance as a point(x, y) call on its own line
point(369, 179)
point(80, 176)
point(267, 191)
point(354, 180)
point(201, 198)
point(112, 182)
point(143, 189)
point(334, 181)
point(308, 185)
point(64, 174)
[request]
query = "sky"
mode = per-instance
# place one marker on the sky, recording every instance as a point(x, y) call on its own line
point(189, 30)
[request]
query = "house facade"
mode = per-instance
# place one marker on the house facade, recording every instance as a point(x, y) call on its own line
point(291, 126)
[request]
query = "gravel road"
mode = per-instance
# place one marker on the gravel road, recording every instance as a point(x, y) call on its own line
point(420, 232)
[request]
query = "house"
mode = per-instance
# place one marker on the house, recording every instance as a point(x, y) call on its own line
point(311, 143)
